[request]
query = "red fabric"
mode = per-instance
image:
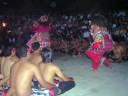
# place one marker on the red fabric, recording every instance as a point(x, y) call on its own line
point(95, 59)
point(108, 45)
point(29, 43)
point(108, 63)
point(13, 50)
point(108, 42)
point(95, 45)
point(106, 36)
point(95, 65)
point(56, 81)
point(41, 28)
point(3, 92)
point(29, 50)
point(51, 92)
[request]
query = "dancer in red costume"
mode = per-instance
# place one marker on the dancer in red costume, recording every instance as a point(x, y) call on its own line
point(41, 33)
point(101, 44)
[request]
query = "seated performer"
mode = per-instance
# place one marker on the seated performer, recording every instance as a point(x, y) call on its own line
point(8, 59)
point(119, 52)
point(22, 74)
point(35, 58)
point(54, 75)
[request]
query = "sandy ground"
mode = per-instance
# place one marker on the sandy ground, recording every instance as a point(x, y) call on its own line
point(103, 82)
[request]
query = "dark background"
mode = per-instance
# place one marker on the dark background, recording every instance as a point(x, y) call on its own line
point(63, 5)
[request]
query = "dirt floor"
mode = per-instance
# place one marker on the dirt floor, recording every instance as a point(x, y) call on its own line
point(103, 82)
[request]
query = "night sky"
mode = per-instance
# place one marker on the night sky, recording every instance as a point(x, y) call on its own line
point(63, 4)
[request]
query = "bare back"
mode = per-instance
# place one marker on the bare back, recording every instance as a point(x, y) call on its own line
point(35, 58)
point(49, 71)
point(22, 74)
point(21, 78)
point(6, 65)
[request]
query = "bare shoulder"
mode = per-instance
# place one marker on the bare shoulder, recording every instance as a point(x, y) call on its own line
point(3, 60)
point(32, 65)
point(15, 66)
point(53, 65)
point(16, 58)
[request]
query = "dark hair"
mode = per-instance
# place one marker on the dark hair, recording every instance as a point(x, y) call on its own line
point(7, 51)
point(99, 20)
point(35, 46)
point(46, 55)
point(21, 51)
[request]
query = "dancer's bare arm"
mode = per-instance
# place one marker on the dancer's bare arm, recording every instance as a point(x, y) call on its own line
point(61, 75)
